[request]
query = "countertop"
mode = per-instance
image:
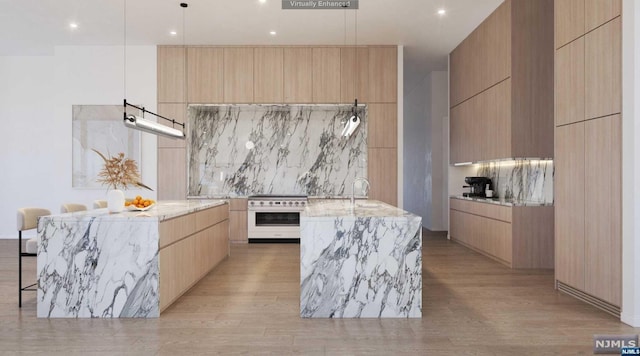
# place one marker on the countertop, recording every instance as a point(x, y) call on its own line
point(502, 201)
point(163, 210)
point(332, 208)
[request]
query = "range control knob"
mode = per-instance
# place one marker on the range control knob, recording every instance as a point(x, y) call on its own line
point(261, 203)
point(270, 203)
point(302, 203)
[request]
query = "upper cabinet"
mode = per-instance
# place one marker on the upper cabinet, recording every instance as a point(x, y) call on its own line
point(268, 66)
point(354, 74)
point(298, 75)
point(326, 75)
point(383, 74)
point(598, 12)
point(569, 21)
point(501, 86)
point(603, 70)
point(238, 75)
point(483, 58)
point(205, 73)
point(171, 65)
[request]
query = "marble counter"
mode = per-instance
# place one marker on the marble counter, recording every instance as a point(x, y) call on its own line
point(360, 262)
point(502, 201)
point(95, 264)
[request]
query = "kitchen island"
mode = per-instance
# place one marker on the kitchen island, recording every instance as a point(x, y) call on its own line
point(360, 261)
point(132, 264)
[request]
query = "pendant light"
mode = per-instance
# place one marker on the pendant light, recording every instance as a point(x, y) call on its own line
point(354, 121)
point(140, 123)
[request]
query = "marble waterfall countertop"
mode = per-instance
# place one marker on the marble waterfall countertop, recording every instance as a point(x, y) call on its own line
point(502, 201)
point(360, 262)
point(95, 264)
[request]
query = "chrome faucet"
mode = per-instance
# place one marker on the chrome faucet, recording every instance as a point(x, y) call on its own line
point(353, 186)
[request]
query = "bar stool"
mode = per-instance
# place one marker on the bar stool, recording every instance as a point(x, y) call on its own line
point(71, 208)
point(99, 204)
point(27, 220)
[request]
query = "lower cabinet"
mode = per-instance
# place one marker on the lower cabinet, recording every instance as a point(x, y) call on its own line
point(191, 246)
point(519, 237)
point(238, 220)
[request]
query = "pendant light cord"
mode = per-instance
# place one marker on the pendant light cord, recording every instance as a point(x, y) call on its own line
point(124, 79)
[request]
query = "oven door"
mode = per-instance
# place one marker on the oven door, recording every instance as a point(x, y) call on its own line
point(273, 224)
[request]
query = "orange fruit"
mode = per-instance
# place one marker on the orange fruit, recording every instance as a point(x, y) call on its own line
point(138, 197)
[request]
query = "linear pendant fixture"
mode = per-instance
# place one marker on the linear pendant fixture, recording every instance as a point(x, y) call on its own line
point(142, 124)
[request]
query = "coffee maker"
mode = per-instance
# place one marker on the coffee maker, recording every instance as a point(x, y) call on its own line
point(477, 185)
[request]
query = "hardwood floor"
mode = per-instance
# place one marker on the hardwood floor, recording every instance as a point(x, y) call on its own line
point(249, 304)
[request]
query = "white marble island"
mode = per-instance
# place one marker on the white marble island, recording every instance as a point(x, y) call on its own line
point(131, 264)
point(360, 262)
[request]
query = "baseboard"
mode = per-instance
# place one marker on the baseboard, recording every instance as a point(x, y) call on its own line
point(630, 319)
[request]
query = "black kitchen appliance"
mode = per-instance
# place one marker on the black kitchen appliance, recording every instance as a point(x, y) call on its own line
point(477, 185)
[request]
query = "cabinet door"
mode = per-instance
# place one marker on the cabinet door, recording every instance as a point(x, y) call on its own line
point(495, 127)
point(238, 75)
point(172, 177)
point(494, 54)
point(205, 73)
point(383, 125)
point(326, 75)
point(569, 86)
point(603, 70)
point(460, 134)
point(569, 188)
point(597, 12)
point(354, 74)
point(569, 20)
point(238, 226)
point(383, 74)
point(171, 64)
point(382, 166)
point(603, 181)
point(298, 74)
point(268, 71)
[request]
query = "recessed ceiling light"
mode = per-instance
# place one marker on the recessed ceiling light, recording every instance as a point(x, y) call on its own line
point(272, 33)
point(73, 25)
point(173, 33)
point(442, 12)
point(262, 1)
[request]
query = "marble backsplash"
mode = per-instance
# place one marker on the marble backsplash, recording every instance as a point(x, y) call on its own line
point(520, 180)
point(239, 150)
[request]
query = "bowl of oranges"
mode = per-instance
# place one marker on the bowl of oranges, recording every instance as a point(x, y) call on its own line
point(139, 203)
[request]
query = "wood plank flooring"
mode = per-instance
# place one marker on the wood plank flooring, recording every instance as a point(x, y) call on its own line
point(250, 305)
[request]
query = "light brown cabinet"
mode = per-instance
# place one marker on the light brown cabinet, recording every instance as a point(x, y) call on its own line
point(382, 163)
point(176, 112)
point(383, 125)
point(484, 57)
point(519, 236)
point(383, 74)
point(597, 12)
point(172, 178)
point(298, 75)
point(603, 209)
point(603, 70)
point(501, 86)
point(171, 69)
point(268, 72)
point(238, 75)
point(569, 83)
point(205, 74)
point(238, 220)
point(326, 75)
point(569, 21)
point(354, 75)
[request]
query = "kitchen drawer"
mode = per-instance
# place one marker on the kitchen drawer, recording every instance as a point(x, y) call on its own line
point(489, 210)
point(488, 236)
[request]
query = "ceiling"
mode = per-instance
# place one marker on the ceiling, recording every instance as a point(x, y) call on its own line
point(34, 27)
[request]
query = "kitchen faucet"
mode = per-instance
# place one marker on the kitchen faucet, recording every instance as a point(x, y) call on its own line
point(353, 185)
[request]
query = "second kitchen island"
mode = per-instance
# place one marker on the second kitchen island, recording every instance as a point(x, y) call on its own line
point(361, 261)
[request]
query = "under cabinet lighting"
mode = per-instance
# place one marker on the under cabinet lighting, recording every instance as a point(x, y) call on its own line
point(463, 164)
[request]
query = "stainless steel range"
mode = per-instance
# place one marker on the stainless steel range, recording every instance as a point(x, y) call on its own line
point(275, 217)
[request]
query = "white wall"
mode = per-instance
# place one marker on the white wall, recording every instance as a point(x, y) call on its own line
point(630, 166)
point(439, 82)
point(36, 96)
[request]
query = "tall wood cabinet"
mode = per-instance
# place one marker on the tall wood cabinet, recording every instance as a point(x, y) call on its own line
point(276, 75)
point(501, 86)
point(588, 156)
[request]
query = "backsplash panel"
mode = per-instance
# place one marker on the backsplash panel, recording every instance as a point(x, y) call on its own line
point(521, 180)
point(240, 150)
